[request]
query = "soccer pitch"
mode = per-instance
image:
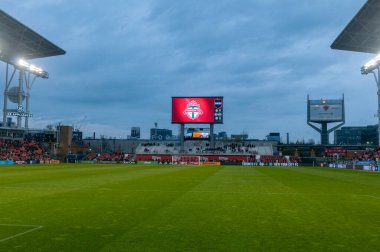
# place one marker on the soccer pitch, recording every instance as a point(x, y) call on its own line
point(199, 208)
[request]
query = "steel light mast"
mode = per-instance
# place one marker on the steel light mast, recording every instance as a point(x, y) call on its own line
point(373, 66)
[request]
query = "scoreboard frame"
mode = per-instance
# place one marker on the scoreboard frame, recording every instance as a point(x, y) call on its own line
point(325, 110)
point(197, 109)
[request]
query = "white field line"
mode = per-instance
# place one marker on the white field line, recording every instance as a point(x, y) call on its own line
point(32, 228)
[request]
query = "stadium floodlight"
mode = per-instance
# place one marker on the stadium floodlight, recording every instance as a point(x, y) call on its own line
point(371, 65)
point(22, 63)
point(32, 69)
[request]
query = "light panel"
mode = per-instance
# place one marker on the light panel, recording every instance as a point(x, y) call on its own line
point(371, 65)
point(21, 63)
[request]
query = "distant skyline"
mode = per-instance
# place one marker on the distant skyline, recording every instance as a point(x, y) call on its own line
point(126, 59)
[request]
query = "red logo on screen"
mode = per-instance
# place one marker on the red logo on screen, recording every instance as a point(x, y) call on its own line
point(193, 110)
point(326, 108)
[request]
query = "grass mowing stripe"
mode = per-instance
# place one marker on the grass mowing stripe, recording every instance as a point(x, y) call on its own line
point(60, 173)
point(312, 180)
point(44, 185)
point(352, 176)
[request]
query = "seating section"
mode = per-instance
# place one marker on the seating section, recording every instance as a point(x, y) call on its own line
point(21, 150)
point(244, 152)
point(26, 150)
point(90, 156)
point(115, 156)
point(203, 148)
point(109, 156)
point(273, 159)
point(157, 148)
point(368, 155)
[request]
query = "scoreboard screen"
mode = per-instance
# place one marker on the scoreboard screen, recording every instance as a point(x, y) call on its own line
point(197, 134)
point(197, 110)
point(326, 110)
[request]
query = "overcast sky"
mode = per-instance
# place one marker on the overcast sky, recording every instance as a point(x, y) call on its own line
point(126, 58)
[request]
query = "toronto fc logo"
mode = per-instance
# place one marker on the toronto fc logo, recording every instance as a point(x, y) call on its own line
point(193, 110)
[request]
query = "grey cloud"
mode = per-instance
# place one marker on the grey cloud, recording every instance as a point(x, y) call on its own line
point(126, 59)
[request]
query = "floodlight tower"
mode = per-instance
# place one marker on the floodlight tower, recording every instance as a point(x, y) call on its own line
point(27, 74)
point(373, 66)
point(19, 42)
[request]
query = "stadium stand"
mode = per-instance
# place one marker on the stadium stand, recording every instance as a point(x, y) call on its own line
point(224, 152)
point(273, 159)
point(115, 156)
point(202, 148)
point(23, 150)
point(90, 156)
point(368, 155)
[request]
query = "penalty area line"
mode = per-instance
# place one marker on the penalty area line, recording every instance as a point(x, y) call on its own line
point(32, 228)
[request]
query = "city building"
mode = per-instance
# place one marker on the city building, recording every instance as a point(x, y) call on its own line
point(239, 136)
point(77, 136)
point(274, 136)
point(361, 135)
point(160, 134)
point(135, 133)
point(222, 135)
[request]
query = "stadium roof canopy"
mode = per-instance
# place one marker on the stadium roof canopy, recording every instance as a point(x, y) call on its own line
point(362, 34)
point(19, 41)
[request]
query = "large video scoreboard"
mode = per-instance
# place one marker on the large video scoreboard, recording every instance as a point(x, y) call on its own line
point(197, 110)
point(326, 110)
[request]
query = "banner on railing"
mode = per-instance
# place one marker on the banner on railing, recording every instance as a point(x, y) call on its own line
point(6, 162)
point(211, 163)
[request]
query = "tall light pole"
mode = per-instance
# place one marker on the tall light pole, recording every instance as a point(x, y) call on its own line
point(27, 75)
point(373, 66)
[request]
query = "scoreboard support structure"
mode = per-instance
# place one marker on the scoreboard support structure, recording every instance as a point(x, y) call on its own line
point(182, 137)
point(25, 82)
point(375, 70)
point(212, 140)
point(330, 111)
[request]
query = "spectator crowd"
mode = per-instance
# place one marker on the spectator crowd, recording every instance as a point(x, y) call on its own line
point(24, 150)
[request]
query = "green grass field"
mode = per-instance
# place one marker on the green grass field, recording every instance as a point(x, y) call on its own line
point(171, 208)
